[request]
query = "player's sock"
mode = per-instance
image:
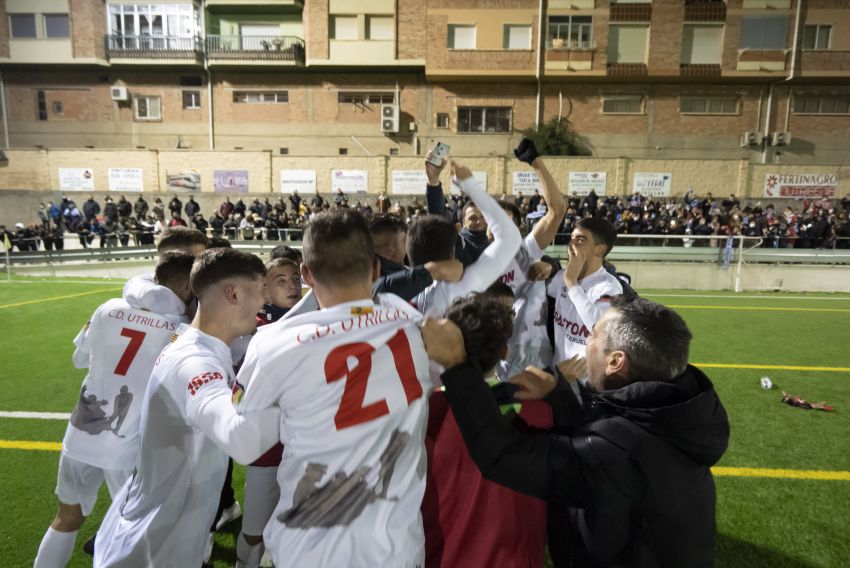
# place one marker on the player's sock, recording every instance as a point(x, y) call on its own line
point(248, 556)
point(55, 549)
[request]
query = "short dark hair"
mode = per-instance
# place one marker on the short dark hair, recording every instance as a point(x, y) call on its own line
point(602, 230)
point(219, 242)
point(431, 238)
point(283, 251)
point(338, 248)
point(174, 238)
point(512, 210)
point(654, 338)
point(388, 223)
point(214, 265)
point(499, 289)
point(486, 324)
point(173, 268)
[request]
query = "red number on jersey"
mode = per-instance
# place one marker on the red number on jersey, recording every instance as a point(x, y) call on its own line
point(351, 410)
point(136, 338)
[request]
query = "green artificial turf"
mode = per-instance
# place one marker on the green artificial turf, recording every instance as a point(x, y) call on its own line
point(761, 521)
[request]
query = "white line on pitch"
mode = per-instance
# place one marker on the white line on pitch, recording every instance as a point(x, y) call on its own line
point(776, 297)
point(36, 415)
point(95, 283)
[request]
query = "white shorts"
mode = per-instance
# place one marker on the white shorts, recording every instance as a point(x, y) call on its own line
point(261, 496)
point(78, 483)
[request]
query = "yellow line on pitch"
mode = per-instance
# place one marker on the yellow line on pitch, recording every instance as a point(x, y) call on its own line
point(25, 445)
point(772, 367)
point(758, 308)
point(813, 474)
point(59, 298)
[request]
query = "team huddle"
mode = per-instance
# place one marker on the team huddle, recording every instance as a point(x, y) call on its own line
point(351, 405)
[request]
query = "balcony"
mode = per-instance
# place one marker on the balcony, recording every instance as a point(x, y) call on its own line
point(255, 48)
point(154, 47)
point(762, 59)
point(705, 11)
point(569, 55)
point(631, 12)
point(627, 69)
point(822, 62)
point(700, 70)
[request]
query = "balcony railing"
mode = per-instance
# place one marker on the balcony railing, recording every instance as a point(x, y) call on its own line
point(261, 48)
point(568, 44)
point(153, 47)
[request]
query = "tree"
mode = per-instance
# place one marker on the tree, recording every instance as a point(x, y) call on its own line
point(555, 138)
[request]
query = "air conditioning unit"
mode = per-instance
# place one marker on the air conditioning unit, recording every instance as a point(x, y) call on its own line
point(119, 93)
point(751, 139)
point(780, 139)
point(389, 118)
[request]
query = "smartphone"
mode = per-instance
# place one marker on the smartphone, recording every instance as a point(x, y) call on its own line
point(439, 153)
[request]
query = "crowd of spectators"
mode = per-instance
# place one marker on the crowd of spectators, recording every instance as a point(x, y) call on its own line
point(819, 223)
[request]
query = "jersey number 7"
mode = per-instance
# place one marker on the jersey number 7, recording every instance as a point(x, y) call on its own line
point(136, 338)
point(351, 409)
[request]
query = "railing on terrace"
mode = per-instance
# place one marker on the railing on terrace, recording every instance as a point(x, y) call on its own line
point(574, 44)
point(153, 47)
point(275, 48)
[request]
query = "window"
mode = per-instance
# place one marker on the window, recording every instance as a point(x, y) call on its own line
point(442, 120)
point(343, 151)
point(570, 31)
point(816, 37)
point(56, 25)
point(708, 105)
point(260, 97)
point(461, 36)
point(23, 25)
point(380, 27)
point(343, 27)
point(393, 151)
point(191, 100)
point(764, 32)
point(147, 107)
point(623, 104)
point(517, 37)
point(352, 97)
point(41, 101)
point(152, 26)
point(284, 151)
point(627, 44)
point(57, 107)
point(821, 104)
point(483, 119)
point(702, 44)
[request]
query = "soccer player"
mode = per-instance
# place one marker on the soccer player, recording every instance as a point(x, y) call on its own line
point(261, 489)
point(118, 346)
point(529, 344)
point(584, 289)
point(433, 238)
point(189, 425)
point(352, 382)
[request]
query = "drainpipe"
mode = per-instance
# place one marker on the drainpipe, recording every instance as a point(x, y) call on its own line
point(5, 114)
point(541, 44)
point(210, 124)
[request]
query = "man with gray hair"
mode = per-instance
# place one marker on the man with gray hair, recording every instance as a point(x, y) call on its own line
point(631, 465)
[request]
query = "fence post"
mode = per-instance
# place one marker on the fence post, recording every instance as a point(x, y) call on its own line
point(740, 263)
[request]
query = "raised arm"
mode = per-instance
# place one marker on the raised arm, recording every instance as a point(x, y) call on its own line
point(498, 255)
point(546, 228)
point(435, 200)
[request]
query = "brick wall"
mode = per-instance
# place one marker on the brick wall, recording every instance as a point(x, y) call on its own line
point(316, 29)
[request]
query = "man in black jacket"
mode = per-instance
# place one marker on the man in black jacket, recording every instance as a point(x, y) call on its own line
point(630, 461)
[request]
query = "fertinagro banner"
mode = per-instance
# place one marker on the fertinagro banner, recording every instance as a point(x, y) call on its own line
point(800, 185)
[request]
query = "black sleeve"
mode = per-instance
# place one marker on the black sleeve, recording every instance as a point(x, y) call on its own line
point(539, 464)
point(405, 284)
point(566, 407)
point(435, 200)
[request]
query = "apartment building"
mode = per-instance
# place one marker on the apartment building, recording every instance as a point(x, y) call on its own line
point(767, 80)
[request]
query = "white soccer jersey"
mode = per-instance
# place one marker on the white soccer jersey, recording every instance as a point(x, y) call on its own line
point(578, 310)
point(529, 343)
point(142, 292)
point(119, 345)
point(162, 517)
point(478, 276)
point(352, 382)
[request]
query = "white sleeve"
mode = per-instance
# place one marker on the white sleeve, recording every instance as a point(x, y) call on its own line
point(591, 308)
point(532, 246)
point(498, 255)
point(210, 409)
point(555, 284)
point(143, 293)
point(260, 391)
point(82, 345)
